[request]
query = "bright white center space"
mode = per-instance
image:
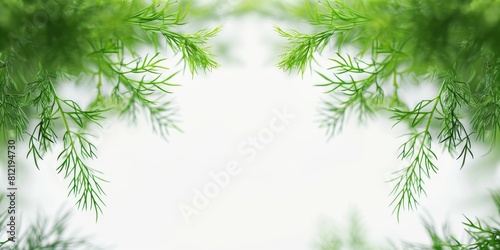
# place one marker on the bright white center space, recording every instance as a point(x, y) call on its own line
point(280, 196)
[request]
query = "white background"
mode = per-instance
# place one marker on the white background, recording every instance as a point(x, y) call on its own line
point(282, 197)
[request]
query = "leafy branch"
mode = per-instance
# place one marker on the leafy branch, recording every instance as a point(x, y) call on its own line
point(96, 44)
point(302, 48)
point(77, 149)
point(358, 83)
point(192, 46)
point(418, 148)
point(390, 45)
point(338, 19)
point(139, 95)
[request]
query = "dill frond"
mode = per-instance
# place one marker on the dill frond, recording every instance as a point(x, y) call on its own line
point(98, 44)
point(383, 46)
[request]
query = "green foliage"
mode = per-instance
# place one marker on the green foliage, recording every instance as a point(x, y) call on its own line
point(99, 45)
point(354, 237)
point(384, 46)
point(44, 234)
point(480, 234)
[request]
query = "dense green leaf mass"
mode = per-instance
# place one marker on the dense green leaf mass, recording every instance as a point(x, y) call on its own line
point(96, 43)
point(384, 46)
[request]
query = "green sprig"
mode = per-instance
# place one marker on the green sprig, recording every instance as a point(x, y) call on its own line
point(393, 44)
point(98, 44)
